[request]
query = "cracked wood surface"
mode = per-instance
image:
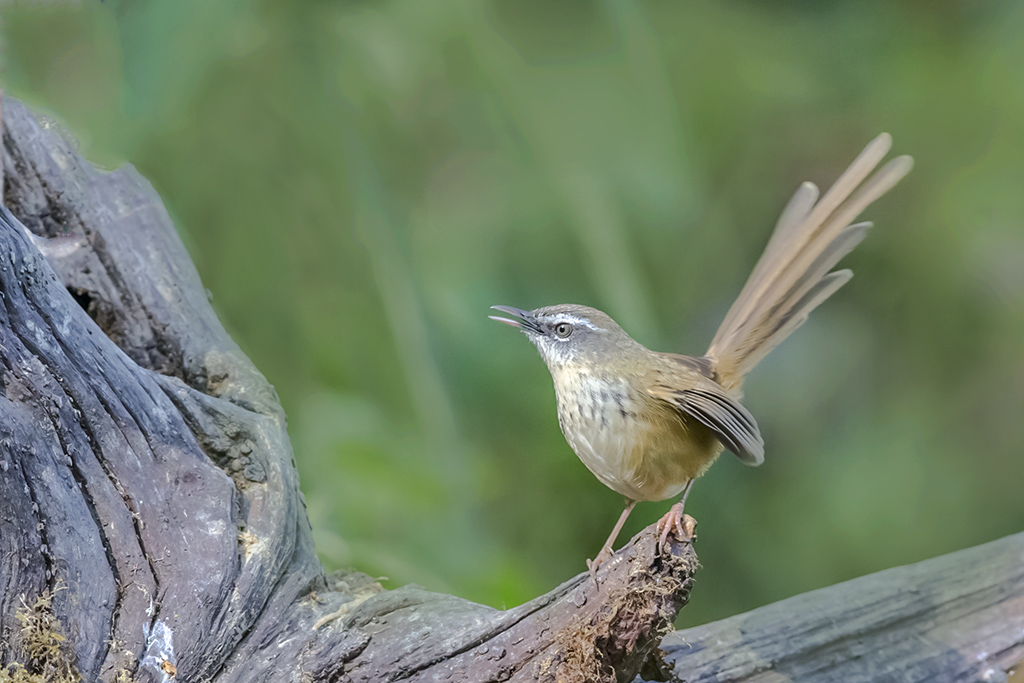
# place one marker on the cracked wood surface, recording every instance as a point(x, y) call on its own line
point(146, 475)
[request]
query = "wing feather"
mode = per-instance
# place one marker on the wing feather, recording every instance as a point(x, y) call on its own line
point(731, 423)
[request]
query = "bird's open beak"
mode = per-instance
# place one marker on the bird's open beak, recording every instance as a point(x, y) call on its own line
point(524, 319)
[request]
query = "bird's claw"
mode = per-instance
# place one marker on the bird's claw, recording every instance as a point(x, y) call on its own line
point(602, 557)
point(675, 520)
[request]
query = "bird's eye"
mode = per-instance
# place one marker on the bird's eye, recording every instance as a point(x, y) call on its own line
point(563, 330)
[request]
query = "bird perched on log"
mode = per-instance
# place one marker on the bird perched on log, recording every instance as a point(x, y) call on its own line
point(648, 423)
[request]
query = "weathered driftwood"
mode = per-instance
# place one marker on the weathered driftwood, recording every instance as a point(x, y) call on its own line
point(959, 617)
point(148, 498)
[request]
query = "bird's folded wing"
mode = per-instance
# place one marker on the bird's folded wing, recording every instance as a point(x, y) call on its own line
point(710, 405)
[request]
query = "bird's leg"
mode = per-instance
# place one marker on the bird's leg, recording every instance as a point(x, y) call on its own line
point(675, 520)
point(606, 551)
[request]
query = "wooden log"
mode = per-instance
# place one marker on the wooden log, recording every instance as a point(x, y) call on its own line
point(955, 618)
point(151, 522)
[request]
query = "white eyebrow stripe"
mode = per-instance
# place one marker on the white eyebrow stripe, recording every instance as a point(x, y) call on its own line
point(578, 321)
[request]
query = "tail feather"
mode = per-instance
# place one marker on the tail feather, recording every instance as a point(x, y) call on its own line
point(797, 315)
point(792, 276)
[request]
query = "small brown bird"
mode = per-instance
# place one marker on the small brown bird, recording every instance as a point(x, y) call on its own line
point(647, 423)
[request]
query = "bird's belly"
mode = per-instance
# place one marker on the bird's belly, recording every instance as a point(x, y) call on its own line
point(631, 447)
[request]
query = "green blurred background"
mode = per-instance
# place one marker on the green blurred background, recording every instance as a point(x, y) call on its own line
point(357, 182)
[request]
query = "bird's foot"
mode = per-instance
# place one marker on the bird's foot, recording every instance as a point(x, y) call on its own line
point(677, 521)
point(592, 565)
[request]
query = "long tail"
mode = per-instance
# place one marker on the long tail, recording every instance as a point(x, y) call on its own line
point(792, 277)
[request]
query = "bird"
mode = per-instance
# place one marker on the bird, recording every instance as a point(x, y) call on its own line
point(647, 424)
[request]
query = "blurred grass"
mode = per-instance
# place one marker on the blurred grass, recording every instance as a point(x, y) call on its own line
point(358, 182)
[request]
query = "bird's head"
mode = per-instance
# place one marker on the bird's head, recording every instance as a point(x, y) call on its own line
point(571, 335)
